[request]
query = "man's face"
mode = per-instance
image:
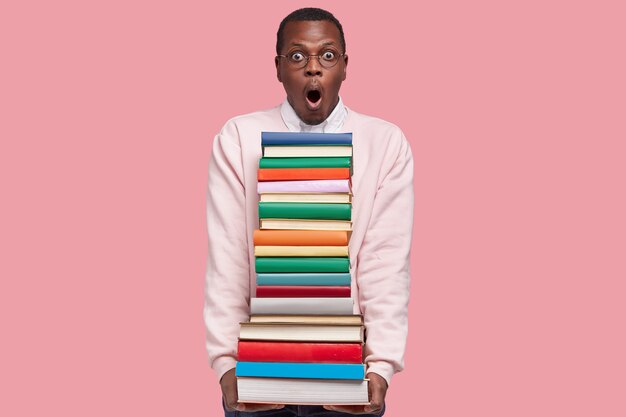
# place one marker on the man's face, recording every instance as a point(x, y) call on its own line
point(312, 91)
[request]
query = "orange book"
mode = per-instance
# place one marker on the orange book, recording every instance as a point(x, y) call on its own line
point(300, 238)
point(286, 174)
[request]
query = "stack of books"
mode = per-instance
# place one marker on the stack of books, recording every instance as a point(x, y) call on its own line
point(303, 344)
point(304, 181)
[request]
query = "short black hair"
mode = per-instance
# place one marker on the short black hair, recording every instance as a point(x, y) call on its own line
point(306, 14)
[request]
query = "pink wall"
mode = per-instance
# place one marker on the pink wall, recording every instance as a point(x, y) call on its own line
point(516, 116)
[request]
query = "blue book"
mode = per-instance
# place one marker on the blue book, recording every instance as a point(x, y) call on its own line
point(334, 279)
point(301, 370)
point(305, 138)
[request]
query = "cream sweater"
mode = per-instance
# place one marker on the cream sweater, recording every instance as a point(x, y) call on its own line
point(382, 216)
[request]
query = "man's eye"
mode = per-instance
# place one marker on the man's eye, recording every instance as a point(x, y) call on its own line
point(297, 56)
point(328, 55)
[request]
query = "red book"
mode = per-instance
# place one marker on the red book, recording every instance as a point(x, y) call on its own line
point(287, 174)
point(302, 291)
point(305, 352)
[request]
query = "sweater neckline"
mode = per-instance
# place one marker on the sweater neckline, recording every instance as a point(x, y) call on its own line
point(347, 123)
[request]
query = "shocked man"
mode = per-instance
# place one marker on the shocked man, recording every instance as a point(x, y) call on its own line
point(311, 63)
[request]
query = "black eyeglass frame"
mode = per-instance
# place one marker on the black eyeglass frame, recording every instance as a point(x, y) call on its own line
point(308, 57)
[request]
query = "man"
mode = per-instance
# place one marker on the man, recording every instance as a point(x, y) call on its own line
point(311, 64)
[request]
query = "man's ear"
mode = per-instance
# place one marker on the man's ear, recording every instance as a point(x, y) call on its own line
point(277, 63)
point(345, 67)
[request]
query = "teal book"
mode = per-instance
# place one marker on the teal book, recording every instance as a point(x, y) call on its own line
point(306, 162)
point(301, 370)
point(321, 211)
point(301, 264)
point(330, 279)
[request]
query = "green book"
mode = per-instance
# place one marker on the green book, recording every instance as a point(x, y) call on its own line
point(296, 264)
point(306, 162)
point(321, 211)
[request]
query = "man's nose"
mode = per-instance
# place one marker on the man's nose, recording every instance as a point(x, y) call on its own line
point(313, 67)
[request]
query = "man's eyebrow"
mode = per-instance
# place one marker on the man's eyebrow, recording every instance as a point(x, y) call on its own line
point(301, 45)
point(324, 44)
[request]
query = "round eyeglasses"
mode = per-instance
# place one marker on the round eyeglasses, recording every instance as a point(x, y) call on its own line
point(298, 60)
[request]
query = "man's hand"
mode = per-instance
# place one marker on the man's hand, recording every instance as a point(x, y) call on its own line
point(229, 392)
point(377, 388)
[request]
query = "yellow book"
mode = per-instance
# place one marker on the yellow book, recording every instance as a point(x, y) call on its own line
point(340, 251)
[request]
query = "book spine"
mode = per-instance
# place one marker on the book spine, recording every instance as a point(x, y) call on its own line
point(303, 279)
point(301, 370)
point(305, 138)
point(299, 237)
point(306, 162)
point(277, 174)
point(309, 251)
point(305, 352)
point(308, 151)
point(300, 305)
point(321, 211)
point(299, 224)
point(304, 186)
point(343, 198)
point(301, 264)
point(302, 291)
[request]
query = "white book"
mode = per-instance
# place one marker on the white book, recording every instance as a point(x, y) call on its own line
point(302, 332)
point(318, 150)
point(302, 391)
point(301, 305)
point(354, 319)
point(306, 197)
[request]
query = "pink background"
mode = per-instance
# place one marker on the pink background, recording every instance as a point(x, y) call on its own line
point(516, 114)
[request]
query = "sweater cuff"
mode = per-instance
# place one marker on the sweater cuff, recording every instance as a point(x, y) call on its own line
point(382, 368)
point(222, 365)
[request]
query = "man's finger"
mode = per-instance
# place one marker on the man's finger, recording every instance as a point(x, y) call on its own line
point(352, 409)
point(228, 383)
point(230, 401)
point(252, 407)
point(229, 405)
point(377, 391)
point(373, 408)
point(376, 402)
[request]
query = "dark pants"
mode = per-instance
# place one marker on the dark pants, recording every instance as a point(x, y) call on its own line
point(296, 411)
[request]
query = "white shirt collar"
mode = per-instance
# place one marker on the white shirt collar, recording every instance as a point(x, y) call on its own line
point(332, 123)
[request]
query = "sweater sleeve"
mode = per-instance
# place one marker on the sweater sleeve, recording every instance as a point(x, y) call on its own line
point(383, 263)
point(227, 274)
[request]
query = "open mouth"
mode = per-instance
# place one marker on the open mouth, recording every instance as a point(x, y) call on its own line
point(313, 98)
